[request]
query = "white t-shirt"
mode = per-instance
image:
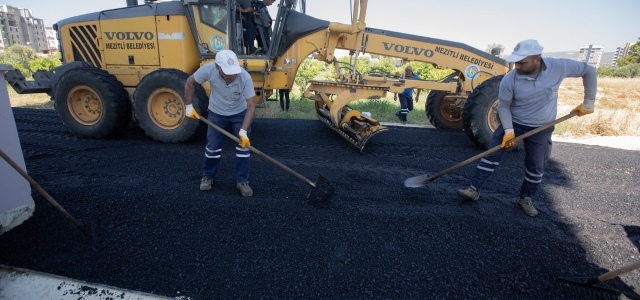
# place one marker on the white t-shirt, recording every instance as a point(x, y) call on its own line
point(226, 99)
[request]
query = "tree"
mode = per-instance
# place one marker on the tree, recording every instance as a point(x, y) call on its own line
point(19, 56)
point(633, 57)
point(362, 65)
point(308, 69)
point(604, 71)
point(384, 66)
point(427, 71)
point(628, 71)
point(494, 45)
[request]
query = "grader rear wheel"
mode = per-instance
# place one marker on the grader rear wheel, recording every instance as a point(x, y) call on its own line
point(159, 106)
point(92, 103)
point(165, 108)
point(85, 105)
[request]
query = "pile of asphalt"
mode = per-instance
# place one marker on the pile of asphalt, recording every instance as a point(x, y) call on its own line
point(154, 231)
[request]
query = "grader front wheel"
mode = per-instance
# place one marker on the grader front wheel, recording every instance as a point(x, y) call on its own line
point(442, 111)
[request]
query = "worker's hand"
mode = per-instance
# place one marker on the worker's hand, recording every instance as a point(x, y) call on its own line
point(244, 139)
point(581, 110)
point(191, 113)
point(417, 99)
point(508, 135)
point(395, 97)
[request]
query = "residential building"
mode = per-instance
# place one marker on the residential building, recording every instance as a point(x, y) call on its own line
point(620, 52)
point(19, 26)
point(52, 40)
point(591, 54)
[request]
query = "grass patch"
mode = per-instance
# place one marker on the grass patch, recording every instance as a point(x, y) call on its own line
point(39, 101)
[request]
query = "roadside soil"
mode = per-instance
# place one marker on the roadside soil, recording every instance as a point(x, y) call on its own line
point(154, 231)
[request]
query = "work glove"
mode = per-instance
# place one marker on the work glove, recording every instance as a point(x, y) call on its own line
point(244, 139)
point(582, 110)
point(508, 135)
point(191, 113)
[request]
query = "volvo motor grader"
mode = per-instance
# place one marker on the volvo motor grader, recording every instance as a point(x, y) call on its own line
point(132, 63)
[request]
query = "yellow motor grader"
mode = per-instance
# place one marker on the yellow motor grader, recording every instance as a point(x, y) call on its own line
point(133, 62)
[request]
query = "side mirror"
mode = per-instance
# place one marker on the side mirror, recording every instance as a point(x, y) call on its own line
point(496, 51)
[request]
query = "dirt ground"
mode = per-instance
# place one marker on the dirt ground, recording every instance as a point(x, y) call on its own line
point(154, 231)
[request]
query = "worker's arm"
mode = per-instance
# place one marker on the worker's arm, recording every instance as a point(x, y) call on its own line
point(188, 98)
point(248, 118)
point(251, 110)
point(188, 90)
point(505, 96)
point(590, 82)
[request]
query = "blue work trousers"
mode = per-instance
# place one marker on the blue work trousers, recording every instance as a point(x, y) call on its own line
point(250, 30)
point(537, 150)
point(406, 105)
point(213, 149)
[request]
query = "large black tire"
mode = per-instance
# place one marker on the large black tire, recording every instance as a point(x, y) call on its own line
point(159, 106)
point(92, 103)
point(442, 113)
point(480, 118)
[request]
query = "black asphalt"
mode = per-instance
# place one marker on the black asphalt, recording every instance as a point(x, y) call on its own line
point(155, 231)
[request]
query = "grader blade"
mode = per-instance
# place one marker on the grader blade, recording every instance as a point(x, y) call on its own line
point(349, 123)
point(354, 128)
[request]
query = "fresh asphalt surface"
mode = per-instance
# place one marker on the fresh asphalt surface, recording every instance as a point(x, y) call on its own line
point(154, 231)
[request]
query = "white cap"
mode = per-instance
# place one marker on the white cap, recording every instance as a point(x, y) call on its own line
point(228, 61)
point(524, 49)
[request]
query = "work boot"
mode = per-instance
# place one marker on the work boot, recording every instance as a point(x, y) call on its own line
point(469, 193)
point(245, 189)
point(398, 115)
point(205, 183)
point(527, 207)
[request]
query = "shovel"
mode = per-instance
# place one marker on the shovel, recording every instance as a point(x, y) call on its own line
point(85, 229)
point(597, 282)
point(422, 180)
point(321, 190)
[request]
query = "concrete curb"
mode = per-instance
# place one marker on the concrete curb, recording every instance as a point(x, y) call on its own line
point(23, 284)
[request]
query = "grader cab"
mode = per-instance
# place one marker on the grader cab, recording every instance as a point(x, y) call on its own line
point(133, 62)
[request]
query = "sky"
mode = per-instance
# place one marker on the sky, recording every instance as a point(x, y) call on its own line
point(558, 25)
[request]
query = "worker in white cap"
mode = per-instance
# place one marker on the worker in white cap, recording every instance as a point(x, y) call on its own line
point(528, 99)
point(231, 106)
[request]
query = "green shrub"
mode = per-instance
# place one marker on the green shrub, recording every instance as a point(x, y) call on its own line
point(44, 63)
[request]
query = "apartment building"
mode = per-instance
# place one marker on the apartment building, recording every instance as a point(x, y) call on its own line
point(620, 52)
point(591, 54)
point(19, 26)
point(52, 39)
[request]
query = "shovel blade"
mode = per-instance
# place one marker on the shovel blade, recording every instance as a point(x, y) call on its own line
point(417, 181)
point(321, 193)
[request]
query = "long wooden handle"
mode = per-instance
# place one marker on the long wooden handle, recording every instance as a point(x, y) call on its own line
point(616, 273)
point(41, 190)
point(256, 151)
point(496, 148)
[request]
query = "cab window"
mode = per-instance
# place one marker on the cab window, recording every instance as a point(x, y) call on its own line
point(214, 15)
